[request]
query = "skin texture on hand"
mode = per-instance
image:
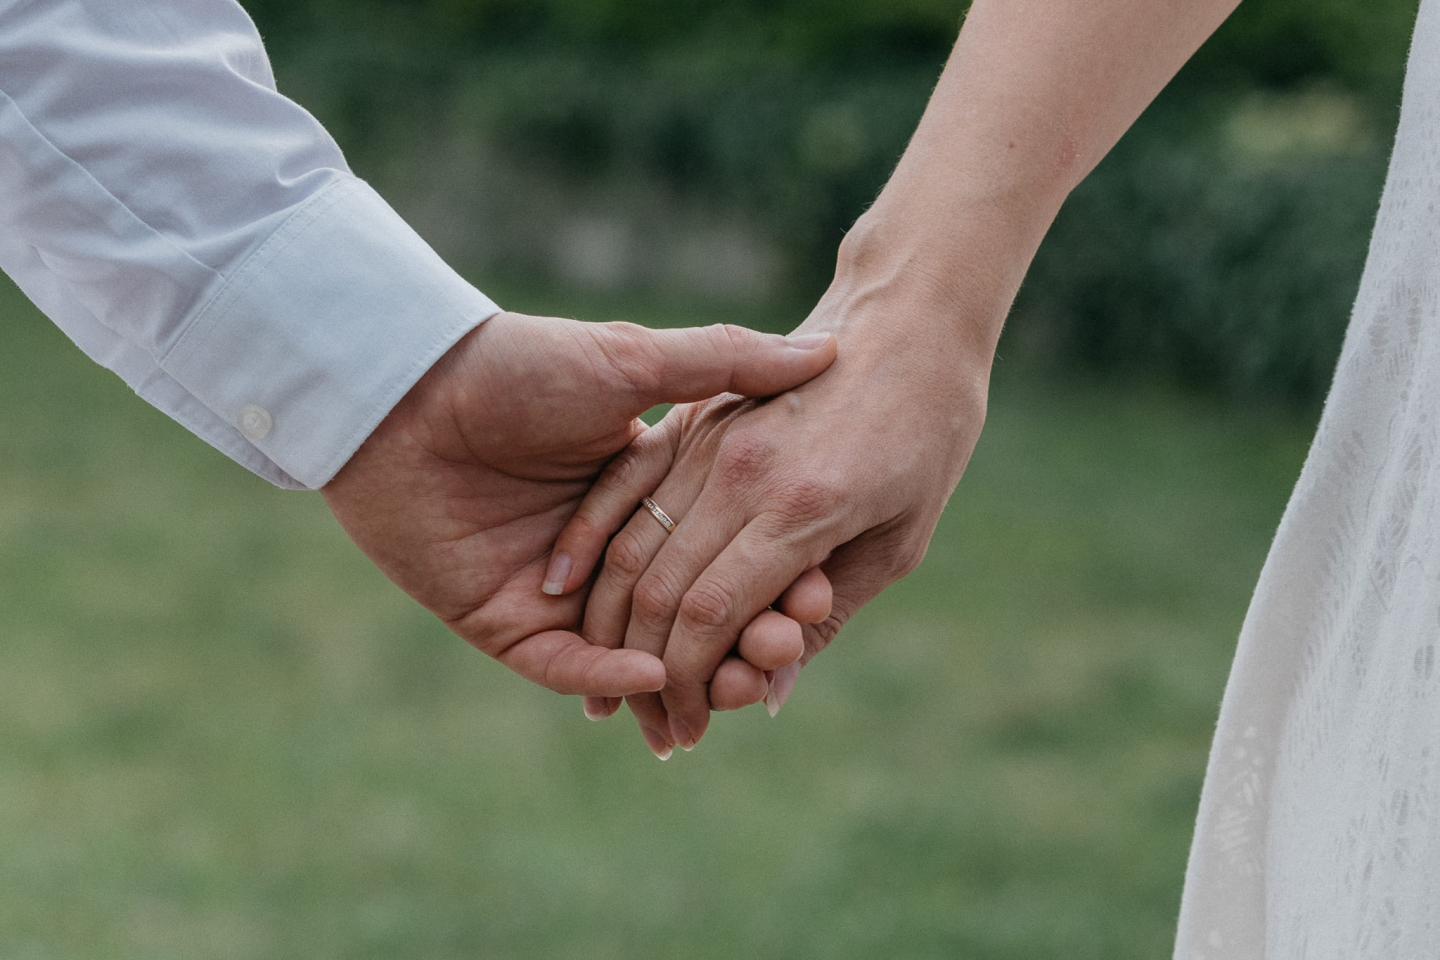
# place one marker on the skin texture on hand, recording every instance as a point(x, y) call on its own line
point(848, 473)
point(459, 494)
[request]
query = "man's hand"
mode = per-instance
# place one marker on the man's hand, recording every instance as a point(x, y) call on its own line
point(459, 494)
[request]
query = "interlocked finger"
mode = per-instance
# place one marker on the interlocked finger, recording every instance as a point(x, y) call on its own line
point(611, 607)
point(629, 555)
point(631, 476)
point(768, 648)
point(746, 576)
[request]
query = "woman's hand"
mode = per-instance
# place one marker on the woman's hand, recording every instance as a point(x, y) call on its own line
point(847, 474)
point(851, 470)
point(459, 494)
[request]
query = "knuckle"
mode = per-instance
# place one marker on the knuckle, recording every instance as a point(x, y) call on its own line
point(685, 677)
point(585, 527)
point(736, 339)
point(654, 599)
point(709, 606)
point(593, 665)
point(624, 473)
point(743, 457)
point(626, 556)
point(807, 499)
point(552, 672)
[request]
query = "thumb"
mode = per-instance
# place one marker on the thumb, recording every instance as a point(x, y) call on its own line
point(680, 366)
point(566, 663)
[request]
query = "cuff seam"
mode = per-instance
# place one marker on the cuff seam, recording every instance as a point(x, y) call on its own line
point(381, 409)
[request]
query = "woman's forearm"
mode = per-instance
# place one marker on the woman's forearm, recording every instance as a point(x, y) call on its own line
point(1035, 93)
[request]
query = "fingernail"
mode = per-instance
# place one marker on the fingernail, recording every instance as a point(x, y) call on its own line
point(657, 744)
point(780, 687)
point(681, 734)
point(595, 708)
point(809, 341)
point(556, 575)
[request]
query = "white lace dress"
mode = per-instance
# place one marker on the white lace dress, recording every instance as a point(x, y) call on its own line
point(1319, 827)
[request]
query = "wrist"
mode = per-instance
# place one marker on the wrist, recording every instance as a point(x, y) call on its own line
point(898, 282)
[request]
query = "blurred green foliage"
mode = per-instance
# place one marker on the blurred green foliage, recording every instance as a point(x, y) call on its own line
point(1268, 41)
point(1208, 244)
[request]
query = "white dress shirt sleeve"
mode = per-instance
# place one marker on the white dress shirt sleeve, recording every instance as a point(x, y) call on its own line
point(201, 235)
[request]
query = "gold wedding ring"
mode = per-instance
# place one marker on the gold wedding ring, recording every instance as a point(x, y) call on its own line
point(658, 514)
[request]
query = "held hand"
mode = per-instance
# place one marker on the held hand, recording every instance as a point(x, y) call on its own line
point(766, 660)
point(849, 472)
point(459, 494)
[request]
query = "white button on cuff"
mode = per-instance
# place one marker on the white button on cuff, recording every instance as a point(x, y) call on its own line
point(255, 422)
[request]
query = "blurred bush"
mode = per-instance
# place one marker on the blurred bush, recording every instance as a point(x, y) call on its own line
point(719, 150)
point(1221, 245)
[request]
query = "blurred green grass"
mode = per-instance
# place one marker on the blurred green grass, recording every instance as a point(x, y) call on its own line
point(224, 735)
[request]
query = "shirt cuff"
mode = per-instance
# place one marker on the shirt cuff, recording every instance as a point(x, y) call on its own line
point(323, 329)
